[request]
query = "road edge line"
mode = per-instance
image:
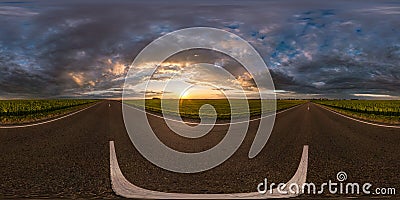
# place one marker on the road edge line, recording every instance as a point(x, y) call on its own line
point(46, 122)
point(357, 120)
point(122, 187)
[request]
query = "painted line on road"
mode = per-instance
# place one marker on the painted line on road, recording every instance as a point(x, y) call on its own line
point(217, 124)
point(357, 120)
point(45, 122)
point(122, 187)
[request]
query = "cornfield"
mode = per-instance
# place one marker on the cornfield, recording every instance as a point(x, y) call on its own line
point(189, 108)
point(17, 111)
point(375, 107)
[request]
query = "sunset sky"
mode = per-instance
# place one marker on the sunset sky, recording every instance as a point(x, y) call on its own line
point(313, 49)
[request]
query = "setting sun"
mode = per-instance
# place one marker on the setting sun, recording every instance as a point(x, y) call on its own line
point(185, 95)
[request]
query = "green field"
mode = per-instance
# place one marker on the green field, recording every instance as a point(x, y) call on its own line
point(384, 111)
point(26, 111)
point(189, 108)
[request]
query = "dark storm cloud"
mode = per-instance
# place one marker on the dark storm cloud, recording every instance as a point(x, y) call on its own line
point(58, 49)
point(342, 76)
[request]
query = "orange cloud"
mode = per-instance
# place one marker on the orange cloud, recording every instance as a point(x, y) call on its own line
point(117, 68)
point(77, 78)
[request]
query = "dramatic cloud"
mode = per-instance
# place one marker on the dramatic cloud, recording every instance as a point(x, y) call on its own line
point(341, 49)
point(16, 11)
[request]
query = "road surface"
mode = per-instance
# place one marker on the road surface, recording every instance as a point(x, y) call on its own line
point(70, 157)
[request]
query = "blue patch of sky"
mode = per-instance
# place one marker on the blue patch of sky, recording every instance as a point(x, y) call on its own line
point(258, 35)
point(353, 52)
point(137, 38)
point(324, 46)
point(161, 29)
point(310, 18)
point(233, 26)
point(327, 13)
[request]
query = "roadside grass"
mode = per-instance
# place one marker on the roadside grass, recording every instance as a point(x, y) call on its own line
point(14, 112)
point(381, 111)
point(189, 108)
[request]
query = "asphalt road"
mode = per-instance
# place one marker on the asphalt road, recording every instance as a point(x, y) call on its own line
point(70, 157)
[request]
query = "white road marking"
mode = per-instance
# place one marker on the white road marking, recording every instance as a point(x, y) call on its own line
point(287, 109)
point(357, 120)
point(45, 122)
point(122, 187)
point(217, 124)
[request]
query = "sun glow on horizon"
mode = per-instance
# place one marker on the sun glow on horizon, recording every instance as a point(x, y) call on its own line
point(185, 95)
